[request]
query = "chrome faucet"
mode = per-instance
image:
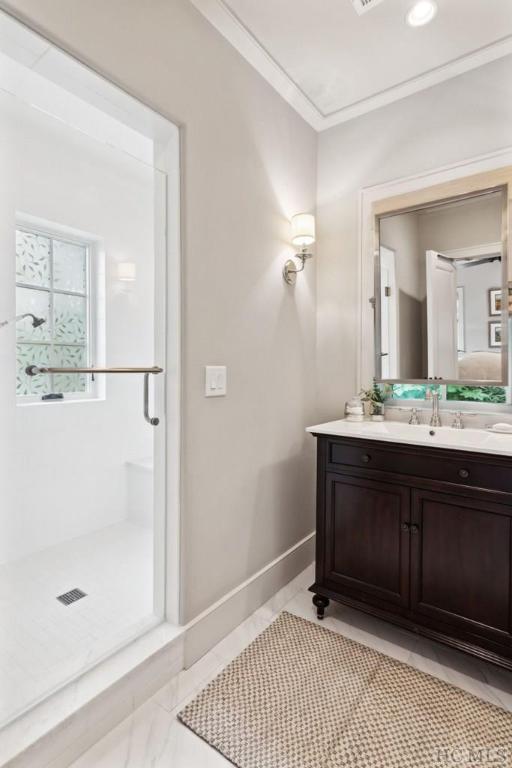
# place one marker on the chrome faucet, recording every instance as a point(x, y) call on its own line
point(457, 422)
point(435, 419)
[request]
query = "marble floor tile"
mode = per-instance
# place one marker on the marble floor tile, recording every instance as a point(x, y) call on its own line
point(189, 682)
point(152, 737)
point(499, 681)
point(232, 645)
point(277, 602)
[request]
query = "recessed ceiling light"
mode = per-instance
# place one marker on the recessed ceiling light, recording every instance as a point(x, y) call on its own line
point(421, 13)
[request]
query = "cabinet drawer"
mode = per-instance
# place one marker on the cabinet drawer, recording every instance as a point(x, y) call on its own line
point(493, 473)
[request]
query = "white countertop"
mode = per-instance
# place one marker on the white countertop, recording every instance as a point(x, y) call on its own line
point(476, 440)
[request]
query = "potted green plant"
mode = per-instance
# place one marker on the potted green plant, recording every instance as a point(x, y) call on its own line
point(375, 400)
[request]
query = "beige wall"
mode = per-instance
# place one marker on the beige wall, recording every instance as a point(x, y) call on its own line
point(475, 222)
point(249, 163)
point(401, 234)
point(462, 118)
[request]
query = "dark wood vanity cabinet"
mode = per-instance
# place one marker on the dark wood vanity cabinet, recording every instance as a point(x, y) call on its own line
point(365, 550)
point(419, 536)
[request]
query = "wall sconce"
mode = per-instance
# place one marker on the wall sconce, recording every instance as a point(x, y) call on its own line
point(126, 271)
point(303, 235)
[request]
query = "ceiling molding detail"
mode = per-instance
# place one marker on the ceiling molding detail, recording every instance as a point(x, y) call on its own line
point(247, 46)
point(227, 23)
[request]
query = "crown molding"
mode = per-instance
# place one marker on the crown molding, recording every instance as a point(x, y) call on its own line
point(432, 77)
point(225, 21)
point(230, 27)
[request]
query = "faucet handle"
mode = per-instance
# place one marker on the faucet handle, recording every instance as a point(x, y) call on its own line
point(414, 417)
point(457, 422)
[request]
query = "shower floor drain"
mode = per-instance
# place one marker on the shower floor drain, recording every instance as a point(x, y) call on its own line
point(71, 597)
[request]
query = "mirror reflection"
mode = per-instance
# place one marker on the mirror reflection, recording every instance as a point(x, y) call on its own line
point(441, 278)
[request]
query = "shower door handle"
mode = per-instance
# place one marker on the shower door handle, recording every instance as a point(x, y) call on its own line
point(153, 420)
point(34, 370)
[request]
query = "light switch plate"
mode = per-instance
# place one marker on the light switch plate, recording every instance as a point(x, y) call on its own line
point(215, 380)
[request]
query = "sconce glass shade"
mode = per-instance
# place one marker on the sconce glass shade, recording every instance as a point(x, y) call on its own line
point(303, 229)
point(126, 271)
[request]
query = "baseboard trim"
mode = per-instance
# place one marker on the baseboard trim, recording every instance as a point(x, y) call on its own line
point(245, 584)
point(219, 619)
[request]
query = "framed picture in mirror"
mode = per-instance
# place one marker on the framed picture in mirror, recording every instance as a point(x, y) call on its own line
point(495, 302)
point(494, 334)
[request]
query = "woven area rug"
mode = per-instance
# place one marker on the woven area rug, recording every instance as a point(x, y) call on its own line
point(301, 696)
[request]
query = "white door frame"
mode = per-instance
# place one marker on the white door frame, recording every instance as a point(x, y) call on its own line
point(171, 277)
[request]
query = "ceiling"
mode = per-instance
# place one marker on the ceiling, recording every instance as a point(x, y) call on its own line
point(332, 64)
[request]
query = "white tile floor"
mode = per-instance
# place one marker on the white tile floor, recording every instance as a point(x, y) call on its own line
point(153, 738)
point(44, 643)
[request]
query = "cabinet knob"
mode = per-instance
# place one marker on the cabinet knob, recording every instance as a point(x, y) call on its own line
point(365, 458)
point(405, 527)
point(415, 528)
point(464, 473)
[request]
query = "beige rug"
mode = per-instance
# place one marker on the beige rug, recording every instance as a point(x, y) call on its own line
point(301, 696)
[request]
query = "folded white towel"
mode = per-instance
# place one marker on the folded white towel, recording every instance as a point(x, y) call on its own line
point(502, 427)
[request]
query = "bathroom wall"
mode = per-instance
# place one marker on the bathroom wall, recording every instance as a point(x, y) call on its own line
point(462, 118)
point(401, 233)
point(476, 222)
point(249, 164)
point(67, 461)
point(476, 282)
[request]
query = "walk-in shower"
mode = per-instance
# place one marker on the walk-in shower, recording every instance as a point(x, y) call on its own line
point(87, 263)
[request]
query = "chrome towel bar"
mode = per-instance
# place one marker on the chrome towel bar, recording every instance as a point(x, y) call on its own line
point(35, 370)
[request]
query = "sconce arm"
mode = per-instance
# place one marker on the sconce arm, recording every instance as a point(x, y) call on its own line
point(290, 269)
point(302, 261)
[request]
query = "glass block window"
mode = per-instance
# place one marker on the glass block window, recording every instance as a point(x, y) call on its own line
point(52, 283)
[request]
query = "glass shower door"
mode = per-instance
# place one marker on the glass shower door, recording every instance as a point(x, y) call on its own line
point(82, 353)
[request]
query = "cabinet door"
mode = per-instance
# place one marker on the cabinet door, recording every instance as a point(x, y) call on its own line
point(367, 539)
point(460, 562)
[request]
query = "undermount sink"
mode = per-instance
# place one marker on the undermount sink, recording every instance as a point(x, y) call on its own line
point(479, 440)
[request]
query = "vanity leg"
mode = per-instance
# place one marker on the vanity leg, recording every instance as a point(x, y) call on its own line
point(320, 603)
